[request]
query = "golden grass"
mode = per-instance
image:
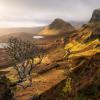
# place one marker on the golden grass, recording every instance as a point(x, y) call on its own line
point(47, 31)
point(88, 53)
point(11, 75)
point(83, 49)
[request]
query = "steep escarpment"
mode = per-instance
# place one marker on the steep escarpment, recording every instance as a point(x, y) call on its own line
point(95, 15)
point(91, 30)
point(83, 54)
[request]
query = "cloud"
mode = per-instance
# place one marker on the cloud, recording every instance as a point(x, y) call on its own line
point(44, 11)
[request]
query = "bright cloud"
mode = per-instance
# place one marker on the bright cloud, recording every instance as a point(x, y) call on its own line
point(17, 13)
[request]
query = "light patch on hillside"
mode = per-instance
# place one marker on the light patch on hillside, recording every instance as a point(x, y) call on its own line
point(47, 31)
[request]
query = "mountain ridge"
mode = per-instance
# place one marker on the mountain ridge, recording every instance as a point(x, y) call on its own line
point(83, 54)
point(23, 33)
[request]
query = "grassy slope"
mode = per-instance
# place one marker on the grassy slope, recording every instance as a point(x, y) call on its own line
point(57, 27)
point(83, 58)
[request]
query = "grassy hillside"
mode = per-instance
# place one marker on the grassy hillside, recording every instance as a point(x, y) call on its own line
point(57, 27)
point(83, 54)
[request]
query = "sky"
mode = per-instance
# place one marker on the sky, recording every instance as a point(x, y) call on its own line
point(27, 13)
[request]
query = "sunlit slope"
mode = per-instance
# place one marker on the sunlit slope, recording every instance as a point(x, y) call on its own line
point(78, 49)
point(87, 32)
point(85, 42)
point(47, 31)
point(57, 27)
point(83, 58)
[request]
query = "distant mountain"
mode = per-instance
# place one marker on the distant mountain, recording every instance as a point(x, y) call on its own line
point(78, 24)
point(23, 36)
point(58, 26)
point(95, 15)
point(33, 30)
point(23, 33)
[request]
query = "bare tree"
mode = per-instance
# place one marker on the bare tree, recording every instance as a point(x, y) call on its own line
point(22, 53)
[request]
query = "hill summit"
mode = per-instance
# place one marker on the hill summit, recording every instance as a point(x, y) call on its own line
point(60, 24)
point(57, 27)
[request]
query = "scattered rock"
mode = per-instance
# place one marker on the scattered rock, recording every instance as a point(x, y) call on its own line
point(46, 60)
point(37, 60)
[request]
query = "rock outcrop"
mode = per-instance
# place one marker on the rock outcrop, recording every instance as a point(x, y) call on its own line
point(89, 31)
point(95, 15)
point(83, 54)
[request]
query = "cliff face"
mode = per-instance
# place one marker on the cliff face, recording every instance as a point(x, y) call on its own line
point(95, 15)
point(89, 31)
point(83, 54)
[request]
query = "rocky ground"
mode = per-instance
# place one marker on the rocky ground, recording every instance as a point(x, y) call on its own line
point(46, 74)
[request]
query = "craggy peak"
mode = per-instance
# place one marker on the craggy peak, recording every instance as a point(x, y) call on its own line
point(95, 15)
